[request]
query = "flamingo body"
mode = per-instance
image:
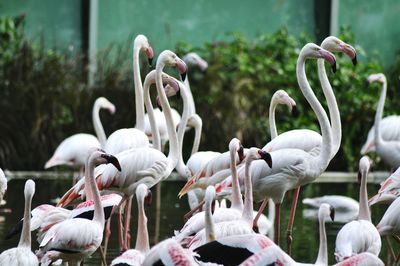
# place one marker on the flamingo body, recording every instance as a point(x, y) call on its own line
point(363, 259)
point(125, 139)
point(389, 190)
point(339, 202)
point(18, 256)
point(390, 222)
point(303, 139)
point(161, 123)
point(131, 257)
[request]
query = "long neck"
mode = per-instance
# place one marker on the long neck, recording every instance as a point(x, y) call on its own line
point(247, 213)
point(209, 222)
point(25, 239)
point(142, 239)
point(322, 258)
point(98, 215)
point(138, 89)
point(191, 105)
point(181, 167)
point(378, 115)
point(272, 123)
point(197, 133)
point(325, 154)
point(174, 151)
point(364, 213)
point(236, 196)
point(334, 114)
point(150, 111)
point(98, 127)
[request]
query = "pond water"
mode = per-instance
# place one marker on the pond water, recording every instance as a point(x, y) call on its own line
point(305, 232)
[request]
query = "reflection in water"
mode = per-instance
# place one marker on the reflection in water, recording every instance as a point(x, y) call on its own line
point(171, 211)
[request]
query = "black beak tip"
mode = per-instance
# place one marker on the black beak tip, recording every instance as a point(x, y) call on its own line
point(178, 95)
point(294, 111)
point(354, 60)
point(183, 76)
point(113, 160)
point(150, 61)
point(334, 67)
point(359, 177)
point(332, 213)
point(266, 157)
point(159, 106)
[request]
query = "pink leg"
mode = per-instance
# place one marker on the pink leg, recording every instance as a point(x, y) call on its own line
point(277, 223)
point(289, 238)
point(127, 221)
point(120, 225)
point(260, 211)
point(107, 233)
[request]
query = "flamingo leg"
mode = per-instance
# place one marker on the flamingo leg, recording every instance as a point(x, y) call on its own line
point(127, 221)
point(189, 214)
point(289, 237)
point(120, 225)
point(107, 233)
point(103, 257)
point(390, 248)
point(158, 213)
point(260, 211)
point(277, 223)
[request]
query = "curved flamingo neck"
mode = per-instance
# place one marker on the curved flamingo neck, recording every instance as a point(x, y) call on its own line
point(322, 258)
point(272, 123)
point(378, 115)
point(334, 114)
point(150, 78)
point(190, 102)
point(174, 153)
point(247, 213)
point(138, 88)
point(209, 222)
point(197, 135)
point(98, 127)
point(326, 148)
point(364, 213)
point(236, 196)
point(25, 239)
point(98, 215)
point(142, 239)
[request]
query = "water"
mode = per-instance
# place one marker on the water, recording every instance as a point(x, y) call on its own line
point(305, 232)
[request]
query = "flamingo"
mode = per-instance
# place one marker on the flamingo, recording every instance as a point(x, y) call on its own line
point(389, 190)
point(142, 165)
point(3, 185)
point(22, 255)
point(362, 259)
point(75, 149)
point(243, 225)
point(388, 150)
point(273, 255)
point(361, 235)
point(294, 167)
point(127, 138)
point(136, 256)
point(75, 239)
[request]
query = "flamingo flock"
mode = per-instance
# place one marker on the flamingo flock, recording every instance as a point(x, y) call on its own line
point(131, 161)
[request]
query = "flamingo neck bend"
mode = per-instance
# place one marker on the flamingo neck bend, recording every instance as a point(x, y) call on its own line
point(378, 116)
point(272, 123)
point(138, 87)
point(326, 148)
point(98, 215)
point(236, 195)
point(98, 127)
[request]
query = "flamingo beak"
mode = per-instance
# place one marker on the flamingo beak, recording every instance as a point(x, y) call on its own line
point(187, 187)
point(294, 111)
point(354, 60)
point(158, 102)
point(350, 52)
point(332, 213)
point(359, 175)
point(266, 157)
point(330, 58)
point(148, 199)
point(241, 153)
point(182, 68)
point(150, 55)
point(113, 160)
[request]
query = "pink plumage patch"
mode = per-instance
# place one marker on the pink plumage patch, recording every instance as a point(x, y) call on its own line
point(176, 255)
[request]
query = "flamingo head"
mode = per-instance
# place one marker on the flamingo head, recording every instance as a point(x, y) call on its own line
point(364, 166)
point(98, 156)
point(258, 154)
point(195, 59)
point(311, 50)
point(142, 42)
point(334, 44)
point(188, 186)
point(106, 104)
point(170, 58)
point(326, 210)
point(143, 195)
point(282, 97)
point(377, 78)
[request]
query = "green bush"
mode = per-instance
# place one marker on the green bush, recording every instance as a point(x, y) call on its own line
point(45, 97)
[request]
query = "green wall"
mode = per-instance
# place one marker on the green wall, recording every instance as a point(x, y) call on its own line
point(375, 25)
point(166, 22)
point(58, 22)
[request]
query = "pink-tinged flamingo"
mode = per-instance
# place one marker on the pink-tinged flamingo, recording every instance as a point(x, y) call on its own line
point(362, 259)
point(273, 255)
point(142, 165)
point(388, 150)
point(75, 149)
point(75, 239)
point(294, 167)
point(243, 225)
point(389, 190)
point(22, 255)
point(127, 138)
point(136, 256)
point(360, 235)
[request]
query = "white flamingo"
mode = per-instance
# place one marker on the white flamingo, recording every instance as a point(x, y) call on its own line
point(22, 255)
point(75, 239)
point(361, 235)
point(136, 256)
point(389, 190)
point(388, 150)
point(127, 138)
point(75, 149)
point(243, 225)
point(362, 259)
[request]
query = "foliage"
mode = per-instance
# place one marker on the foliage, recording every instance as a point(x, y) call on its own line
point(45, 97)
